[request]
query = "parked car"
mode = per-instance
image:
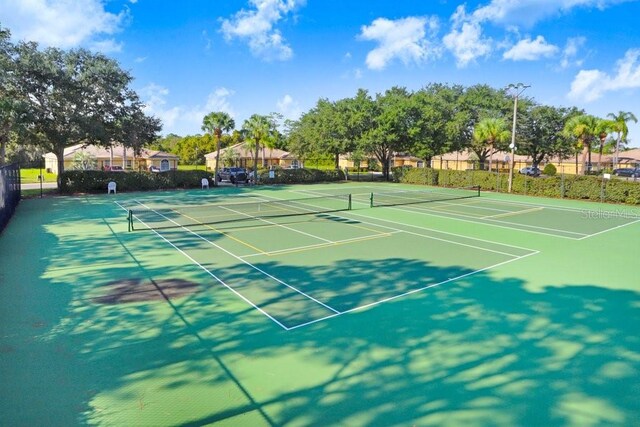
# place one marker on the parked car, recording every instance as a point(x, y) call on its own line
point(232, 175)
point(113, 168)
point(628, 172)
point(154, 169)
point(530, 171)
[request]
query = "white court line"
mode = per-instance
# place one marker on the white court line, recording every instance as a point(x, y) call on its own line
point(609, 229)
point(338, 313)
point(243, 261)
point(430, 213)
point(425, 236)
point(219, 280)
point(321, 245)
point(413, 291)
point(434, 230)
point(502, 215)
point(281, 225)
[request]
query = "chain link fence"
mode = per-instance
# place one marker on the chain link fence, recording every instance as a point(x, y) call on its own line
point(9, 192)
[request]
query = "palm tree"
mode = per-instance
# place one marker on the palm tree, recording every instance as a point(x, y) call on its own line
point(620, 126)
point(603, 128)
point(259, 130)
point(491, 131)
point(216, 123)
point(584, 128)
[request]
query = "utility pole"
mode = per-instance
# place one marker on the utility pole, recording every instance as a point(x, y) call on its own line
point(517, 88)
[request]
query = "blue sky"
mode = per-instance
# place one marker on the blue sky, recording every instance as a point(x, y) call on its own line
point(260, 56)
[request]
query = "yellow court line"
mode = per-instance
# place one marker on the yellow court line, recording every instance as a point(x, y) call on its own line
point(242, 242)
point(502, 215)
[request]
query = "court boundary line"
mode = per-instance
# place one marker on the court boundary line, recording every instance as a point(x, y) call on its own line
point(413, 291)
point(210, 273)
point(518, 203)
point(610, 229)
point(337, 312)
point(270, 276)
point(434, 230)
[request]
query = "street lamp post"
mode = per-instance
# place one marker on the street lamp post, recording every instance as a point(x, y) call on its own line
point(517, 88)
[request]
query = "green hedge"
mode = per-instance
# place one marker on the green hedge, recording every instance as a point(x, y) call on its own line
point(299, 176)
point(96, 181)
point(569, 186)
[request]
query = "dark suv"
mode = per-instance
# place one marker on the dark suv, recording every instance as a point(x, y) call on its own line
point(232, 175)
point(629, 172)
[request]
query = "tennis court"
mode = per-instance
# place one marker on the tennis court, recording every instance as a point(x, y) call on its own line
point(318, 305)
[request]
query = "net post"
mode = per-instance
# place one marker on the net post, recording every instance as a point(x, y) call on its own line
point(478, 188)
point(371, 200)
point(349, 208)
point(130, 220)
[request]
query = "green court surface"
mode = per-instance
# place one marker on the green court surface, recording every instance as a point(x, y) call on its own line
point(282, 306)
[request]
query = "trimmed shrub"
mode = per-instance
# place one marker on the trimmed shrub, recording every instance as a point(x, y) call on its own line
point(73, 181)
point(549, 170)
point(300, 176)
point(571, 186)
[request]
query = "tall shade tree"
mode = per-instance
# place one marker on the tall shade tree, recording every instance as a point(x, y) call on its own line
point(487, 134)
point(620, 127)
point(436, 128)
point(13, 109)
point(259, 130)
point(392, 121)
point(583, 129)
point(74, 97)
point(217, 123)
point(540, 135)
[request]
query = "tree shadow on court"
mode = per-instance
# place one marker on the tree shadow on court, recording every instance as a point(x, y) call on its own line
point(476, 351)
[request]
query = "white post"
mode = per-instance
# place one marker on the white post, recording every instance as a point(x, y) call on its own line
point(518, 89)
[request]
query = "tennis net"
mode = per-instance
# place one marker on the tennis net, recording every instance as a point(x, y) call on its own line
point(188, 216)
point(409, 197)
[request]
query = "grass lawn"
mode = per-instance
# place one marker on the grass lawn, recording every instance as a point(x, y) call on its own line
point(31, 175)
point(191, 167)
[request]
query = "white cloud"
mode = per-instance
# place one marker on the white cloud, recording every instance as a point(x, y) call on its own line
point(154, 97)
point(62, 23)
point(180, 119)
point(531, 50)
point(589, 85)
point(289, 108)
point(570, 52)
point(257, 27)
point(106, 46)
point(465, 40)
point(406, 39)
point(528, 12)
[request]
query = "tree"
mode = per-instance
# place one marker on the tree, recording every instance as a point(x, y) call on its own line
point(13, 109)
point(540, 135)
point(259, 130)
point(487, 134)
point(583, 129)
point(392, 119)
point(479, 102)
point(603, 129)
point(620, 127)
point(217, 123)
point(84, 161)
point(78, 97)
point(436, 129)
